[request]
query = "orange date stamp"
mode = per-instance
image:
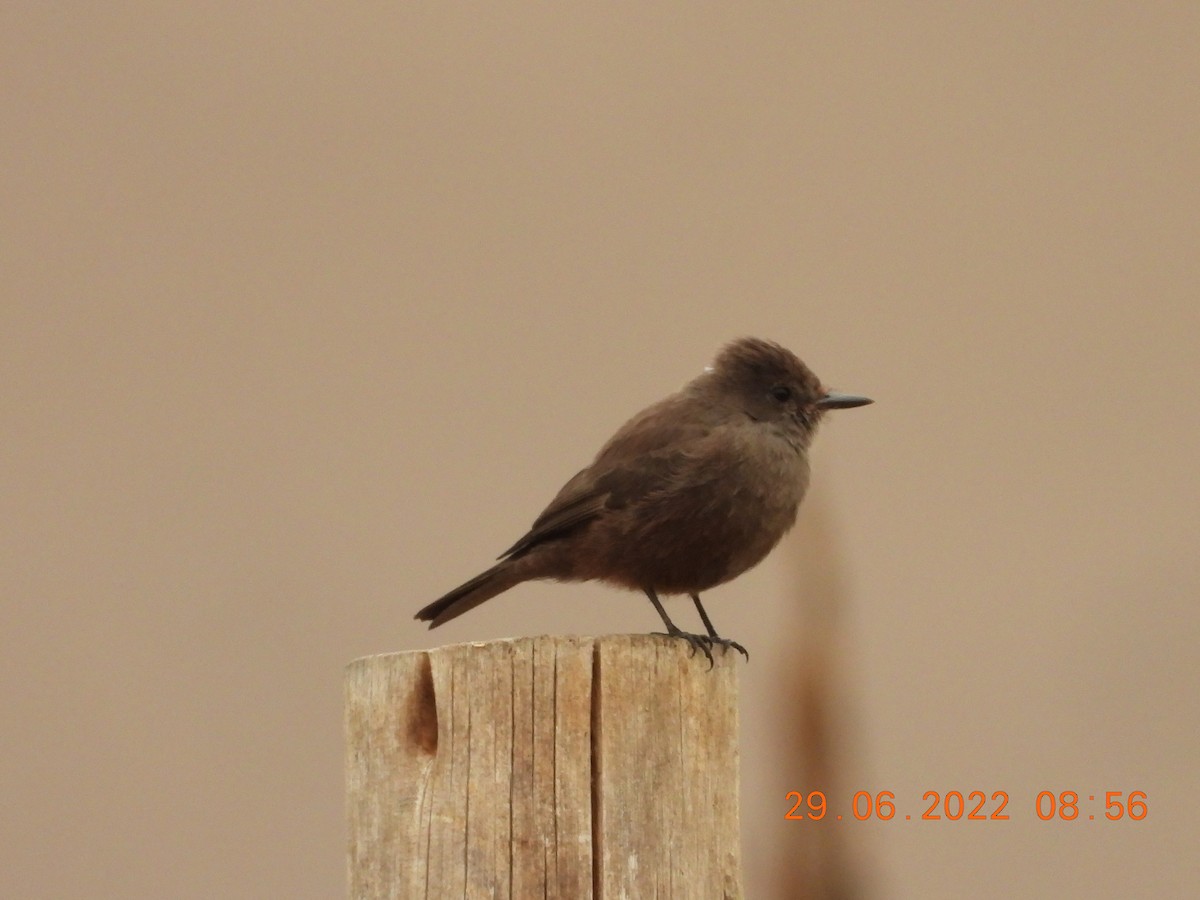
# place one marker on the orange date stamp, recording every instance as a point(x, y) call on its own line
point(972, 806)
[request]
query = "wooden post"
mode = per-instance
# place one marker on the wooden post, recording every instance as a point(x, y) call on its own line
point(544, 767)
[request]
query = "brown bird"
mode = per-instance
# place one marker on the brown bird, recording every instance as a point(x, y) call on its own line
point(688, 494)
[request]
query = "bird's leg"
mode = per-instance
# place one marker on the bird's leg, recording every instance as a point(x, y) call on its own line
point(712, 632)
point(696, 641)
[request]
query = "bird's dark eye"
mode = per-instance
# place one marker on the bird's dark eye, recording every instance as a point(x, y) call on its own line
point(782, 393)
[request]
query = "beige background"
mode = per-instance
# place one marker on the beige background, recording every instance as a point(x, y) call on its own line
point(308, 309)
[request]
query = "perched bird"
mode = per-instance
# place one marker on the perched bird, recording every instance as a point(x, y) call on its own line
point(688, 494)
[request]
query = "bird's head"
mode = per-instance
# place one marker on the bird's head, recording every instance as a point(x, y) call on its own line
point(770, 384)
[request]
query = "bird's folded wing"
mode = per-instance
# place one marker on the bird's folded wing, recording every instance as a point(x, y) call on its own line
point(587, 495)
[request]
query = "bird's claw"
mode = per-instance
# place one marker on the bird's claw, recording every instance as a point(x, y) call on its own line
point(727, 644)
point(701, 642)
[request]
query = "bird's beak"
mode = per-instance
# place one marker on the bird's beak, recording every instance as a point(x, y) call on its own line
point(842, 401)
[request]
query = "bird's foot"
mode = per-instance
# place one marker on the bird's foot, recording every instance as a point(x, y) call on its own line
point(728, 645)
point(701, 642)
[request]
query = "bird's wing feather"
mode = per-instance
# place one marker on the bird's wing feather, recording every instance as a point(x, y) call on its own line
point(589, 495)
point(579, 501)
point(630, 466)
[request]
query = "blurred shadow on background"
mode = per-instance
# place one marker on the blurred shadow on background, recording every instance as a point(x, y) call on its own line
point(818, 860)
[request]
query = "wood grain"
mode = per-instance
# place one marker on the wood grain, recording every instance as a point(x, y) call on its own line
point(551, 766)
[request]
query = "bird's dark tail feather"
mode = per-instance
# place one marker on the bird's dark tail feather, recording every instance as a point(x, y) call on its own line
point(465, 597)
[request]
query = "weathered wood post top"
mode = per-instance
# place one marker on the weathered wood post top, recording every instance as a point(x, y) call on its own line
point(566, 767)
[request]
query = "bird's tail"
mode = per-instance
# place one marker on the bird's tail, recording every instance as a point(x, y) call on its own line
point(465, 597)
